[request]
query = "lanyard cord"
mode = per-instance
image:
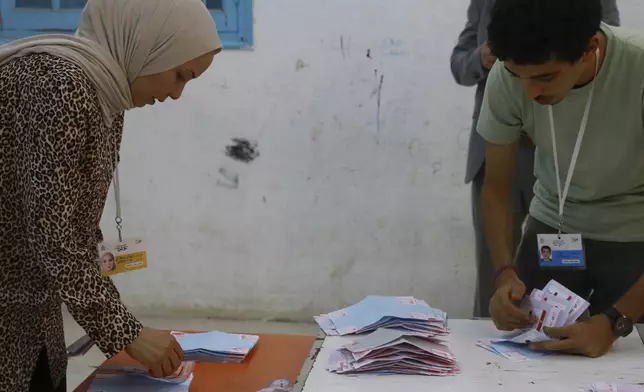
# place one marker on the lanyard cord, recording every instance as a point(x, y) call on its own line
point(117, 193)
point(562, 194)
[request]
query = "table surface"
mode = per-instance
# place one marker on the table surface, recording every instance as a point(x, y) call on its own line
point(274, 357)
point(485, 371)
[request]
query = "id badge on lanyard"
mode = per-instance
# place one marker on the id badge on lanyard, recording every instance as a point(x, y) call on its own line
point(561, 251)
point(565, 250)
point(124, 255)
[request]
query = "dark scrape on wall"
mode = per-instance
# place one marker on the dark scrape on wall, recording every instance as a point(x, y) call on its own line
point(242, 150)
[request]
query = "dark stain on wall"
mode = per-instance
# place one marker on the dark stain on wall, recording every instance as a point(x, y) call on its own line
point(242, 150)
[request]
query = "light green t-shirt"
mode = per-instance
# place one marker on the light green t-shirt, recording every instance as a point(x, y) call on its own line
point(606, 196)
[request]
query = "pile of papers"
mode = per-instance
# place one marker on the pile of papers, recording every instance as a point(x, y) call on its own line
point(387, 351)
point(374, 312)
point(215, 346)
point(403, 338)
point(555, 306)
point(605, 387)
point(126, 378)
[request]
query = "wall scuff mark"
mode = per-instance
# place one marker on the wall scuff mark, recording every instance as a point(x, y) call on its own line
point(231, 179)
point(299, 65)
point(436, 166)
point(346, 51)
point(382, 78)
point(242, 150)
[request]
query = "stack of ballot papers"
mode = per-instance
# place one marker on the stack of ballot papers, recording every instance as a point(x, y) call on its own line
point(215, 346)
point(374, 312)
point(130, 378)
point(606, 387)
point(554, 306)
point(388, 351)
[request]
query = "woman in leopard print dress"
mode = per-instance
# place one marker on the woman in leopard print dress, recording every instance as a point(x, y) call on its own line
point(61, 119)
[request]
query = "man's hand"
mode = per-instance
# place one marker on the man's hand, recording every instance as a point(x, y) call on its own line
point(505, 314)
point(487, 58)
point(592, 338)
point(158, 350)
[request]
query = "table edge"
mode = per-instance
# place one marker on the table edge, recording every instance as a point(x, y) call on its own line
point(307, 367)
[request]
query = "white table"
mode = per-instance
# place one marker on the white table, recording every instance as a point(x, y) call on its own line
point(485, 371)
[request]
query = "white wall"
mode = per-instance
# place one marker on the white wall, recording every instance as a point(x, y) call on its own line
point(336, 207)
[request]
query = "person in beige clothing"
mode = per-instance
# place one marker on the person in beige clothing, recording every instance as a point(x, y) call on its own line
point(61, 121)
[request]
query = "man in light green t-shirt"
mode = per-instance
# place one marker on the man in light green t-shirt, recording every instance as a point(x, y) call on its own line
point(576, 86)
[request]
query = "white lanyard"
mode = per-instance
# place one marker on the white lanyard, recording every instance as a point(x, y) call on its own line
point(117, 192)
point(575, 154)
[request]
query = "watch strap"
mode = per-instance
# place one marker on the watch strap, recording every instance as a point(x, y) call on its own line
point(620, 329)
point(613, 314)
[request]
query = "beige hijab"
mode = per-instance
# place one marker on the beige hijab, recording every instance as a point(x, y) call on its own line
point(120, 40)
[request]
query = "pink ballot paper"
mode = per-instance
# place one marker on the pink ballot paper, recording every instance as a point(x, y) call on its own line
point(388, 351)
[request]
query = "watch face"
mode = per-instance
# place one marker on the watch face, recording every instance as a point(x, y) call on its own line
point(623, 327)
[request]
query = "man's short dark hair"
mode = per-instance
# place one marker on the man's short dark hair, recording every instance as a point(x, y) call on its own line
point(533, 32)
point(546, 248)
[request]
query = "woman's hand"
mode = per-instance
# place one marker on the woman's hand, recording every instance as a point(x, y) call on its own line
point(158, 350)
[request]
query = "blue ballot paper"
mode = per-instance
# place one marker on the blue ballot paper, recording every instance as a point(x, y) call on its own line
point(215, 346)
point(515, 352)
point(113, 377)
point(374, 312)
point(131, 383)
point(183, 373)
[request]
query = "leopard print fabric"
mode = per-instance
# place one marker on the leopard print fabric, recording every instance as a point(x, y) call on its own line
point(56, 166)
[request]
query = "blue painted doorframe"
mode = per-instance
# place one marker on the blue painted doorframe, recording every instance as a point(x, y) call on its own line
point(234, 20)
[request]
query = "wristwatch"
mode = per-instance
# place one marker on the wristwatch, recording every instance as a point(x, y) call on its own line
point(620, 324)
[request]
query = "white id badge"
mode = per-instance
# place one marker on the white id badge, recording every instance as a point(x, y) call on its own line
point(118, 257)
point(561, 251)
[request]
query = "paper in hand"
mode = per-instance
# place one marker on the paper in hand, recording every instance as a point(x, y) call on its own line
point(131, 378)
point(215, 346)
point(554, 306)
point(180, 376)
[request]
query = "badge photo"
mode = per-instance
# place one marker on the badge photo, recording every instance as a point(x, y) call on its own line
point(561, 251)
point(119, 257)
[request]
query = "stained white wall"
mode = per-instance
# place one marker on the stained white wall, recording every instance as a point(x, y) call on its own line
point(342, 202)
